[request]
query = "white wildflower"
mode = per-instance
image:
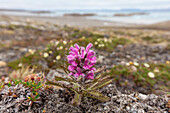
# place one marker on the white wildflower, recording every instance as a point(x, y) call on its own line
point(20, 65)
point(146, 65)
point(58, 57)
point(64, 42)
point(151, 75)
point(136, 64)
point(61, 47)
point(57, 42)
point(95, 43)
point(46, 55)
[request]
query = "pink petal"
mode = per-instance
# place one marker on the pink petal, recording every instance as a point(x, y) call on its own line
point(74, 63)
point(70, 74)
point(72, 53)
point(78, 70)
point(83, 74)
point(90, 76)
point(75, 51)
point(76, 75)
point(86, 67)
point(71, 68)
point(76, 46)
point(70, 57)
point(88, 47)
point(82, 52)
point(93, 69)
point(92, 64)
point(90, 54)
point(86, 61)
point(93, 59)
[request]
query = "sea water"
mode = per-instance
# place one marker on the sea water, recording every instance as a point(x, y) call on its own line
point(151, 16)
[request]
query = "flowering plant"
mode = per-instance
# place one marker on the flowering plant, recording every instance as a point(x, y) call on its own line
point(82, 79)
point(82, 62)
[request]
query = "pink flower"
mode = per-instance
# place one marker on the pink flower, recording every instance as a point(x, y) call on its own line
point(81, 61)
point(90, 75)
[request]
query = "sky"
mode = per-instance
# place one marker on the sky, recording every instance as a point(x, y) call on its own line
point(84, 4)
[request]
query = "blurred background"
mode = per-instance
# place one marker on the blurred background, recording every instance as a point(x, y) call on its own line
point(127, 11)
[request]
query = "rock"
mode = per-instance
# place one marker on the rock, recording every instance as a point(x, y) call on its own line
point(131, 14)
point(100, 59)
point(76, 14)
point(2, 64)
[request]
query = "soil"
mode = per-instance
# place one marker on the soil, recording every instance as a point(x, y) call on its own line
point(129, 102)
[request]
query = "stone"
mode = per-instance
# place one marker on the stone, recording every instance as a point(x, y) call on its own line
point(2, 64)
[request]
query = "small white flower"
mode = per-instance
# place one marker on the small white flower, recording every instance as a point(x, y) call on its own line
point(20, 65)
point(151, 75)
point(64, 42)
point(61, 47)
point(105, 40)
point(102, 45)
point(83, 37)
point(127, 64)
point(146, 65)
point(98, 39)
point(31, 51)
point(46, 55)
point(50, 52)
point(156, 71)
point(167, 62)
point(134, 69)
point(96, 43)
point(136, 64)
point(58, 57)
point(57, 42)
point(99, 45)
point(54, 61)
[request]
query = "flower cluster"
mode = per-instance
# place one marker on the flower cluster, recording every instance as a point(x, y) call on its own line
point(82, 61)
point(32, 78)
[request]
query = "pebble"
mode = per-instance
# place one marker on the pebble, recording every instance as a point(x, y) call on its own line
point(2, 64)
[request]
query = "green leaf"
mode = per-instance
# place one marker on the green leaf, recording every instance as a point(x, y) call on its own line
point(37, 96)
point(38, 87)
point(39, 83)
point(9, 84)
point(68, 79)
point(105, 78)
point(97, 95)
point(77, 99)
point(102, 85)
point(100, 70)
point(34, 92)
point(20, 80)
point(64, 68)
point(62, 85)
point(16, 82)
point(28, 84)
point(89, 88)
point(60, 78)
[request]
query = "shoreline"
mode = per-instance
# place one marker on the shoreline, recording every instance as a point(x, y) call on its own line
point(80, 22)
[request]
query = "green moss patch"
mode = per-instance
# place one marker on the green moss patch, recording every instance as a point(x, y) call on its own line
point(139, 76)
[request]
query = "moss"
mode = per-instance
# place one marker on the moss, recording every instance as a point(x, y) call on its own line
point(13, 27)
point(168, 47)
point(155, 39)
point(140, 77)
point(147, 38)
point(25, 60)
point(2, 45)
point(109, 45)
point(29, 27)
